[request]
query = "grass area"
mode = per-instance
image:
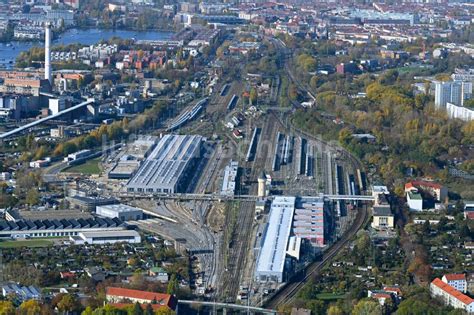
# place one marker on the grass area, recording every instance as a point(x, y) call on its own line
point(26, 243)
point(330, 296)
point(90, 167)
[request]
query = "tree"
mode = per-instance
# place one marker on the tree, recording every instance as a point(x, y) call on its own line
point(137, 309)
point(253, 96)
point(164, 311)
point(30, 307)
point(41, 152)
point(316, 306)
point(173, 285)
point(68, 303)
point(345, 136)
point(416, 306)
point(88, 311)
point(149, 310)
point(334, 310)
point(367, 307)
point(7, 308)
point(32, 197)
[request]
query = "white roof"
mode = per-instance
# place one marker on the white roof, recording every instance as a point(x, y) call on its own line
point(272, 255)
point(130, 233)
point(119, 208)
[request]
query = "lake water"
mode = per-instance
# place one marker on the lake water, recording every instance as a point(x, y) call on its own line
point(10, 51)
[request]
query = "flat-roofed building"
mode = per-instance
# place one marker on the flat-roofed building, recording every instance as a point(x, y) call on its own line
point(414, 200)
point(55, 227)
point(229, 180)
point(106, 237)
point(272, 257)
point(121, 211)
point(309, 220)
point(168, 168)
point(18, 215)
point(89, 203)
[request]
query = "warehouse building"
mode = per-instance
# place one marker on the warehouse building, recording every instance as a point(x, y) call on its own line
point(135, 152)
point(18, 215)
point(230, 177)
point(106, 237)
point(309, 220)
point(121, 211)
point(54, 228)
point(169, 167)
point(272, 262)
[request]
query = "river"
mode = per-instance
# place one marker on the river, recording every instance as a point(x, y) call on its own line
point(10, 51)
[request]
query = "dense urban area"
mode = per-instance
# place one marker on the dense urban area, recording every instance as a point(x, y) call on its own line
point(206, 157)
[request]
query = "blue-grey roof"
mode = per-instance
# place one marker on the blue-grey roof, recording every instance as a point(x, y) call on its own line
point(25, 225)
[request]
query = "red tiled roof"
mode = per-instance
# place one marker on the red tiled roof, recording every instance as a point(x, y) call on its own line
point(393, 289)
point(161, 298)
point(416, 183)
point(455, 276)
point(67, 274)
point(381, 296)
point(452, 291)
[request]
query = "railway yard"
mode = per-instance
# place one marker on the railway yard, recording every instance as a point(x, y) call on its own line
point(223, 233)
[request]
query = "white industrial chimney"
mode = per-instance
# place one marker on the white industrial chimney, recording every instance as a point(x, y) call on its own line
point(47, 53)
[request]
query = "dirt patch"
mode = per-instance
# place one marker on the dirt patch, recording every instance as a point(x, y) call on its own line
point(216, 216)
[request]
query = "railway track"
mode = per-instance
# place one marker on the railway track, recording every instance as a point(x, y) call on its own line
point(242, 235)
point(288, 293)
point(237, 251)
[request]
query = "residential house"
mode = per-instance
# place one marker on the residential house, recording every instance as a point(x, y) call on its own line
point(158, 274)
point(437, 191)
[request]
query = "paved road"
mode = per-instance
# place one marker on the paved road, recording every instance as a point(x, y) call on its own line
point(50, 174)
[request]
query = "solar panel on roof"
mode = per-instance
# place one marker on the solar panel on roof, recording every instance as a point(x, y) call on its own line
point(65, 223)
point(74, 223)
point(57, 224)
point(92, 223)
point(4, 226)
point(22, 226)
point(13, 226)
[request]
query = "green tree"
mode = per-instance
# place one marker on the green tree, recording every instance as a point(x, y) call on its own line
point(88, 311)
point(367, 307)
point(416, 306)
point(316, 306)
point(137, 309)
point(32, 197)
point(345, 136)
point(334, 310)
point(164, 311)
point(253, 96)
point(30, 307)
point(149, 310)
point(173, 285)
point(69, 303)
point(7, 308)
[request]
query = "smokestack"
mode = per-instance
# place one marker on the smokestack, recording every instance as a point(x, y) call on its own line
point(47, 53)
